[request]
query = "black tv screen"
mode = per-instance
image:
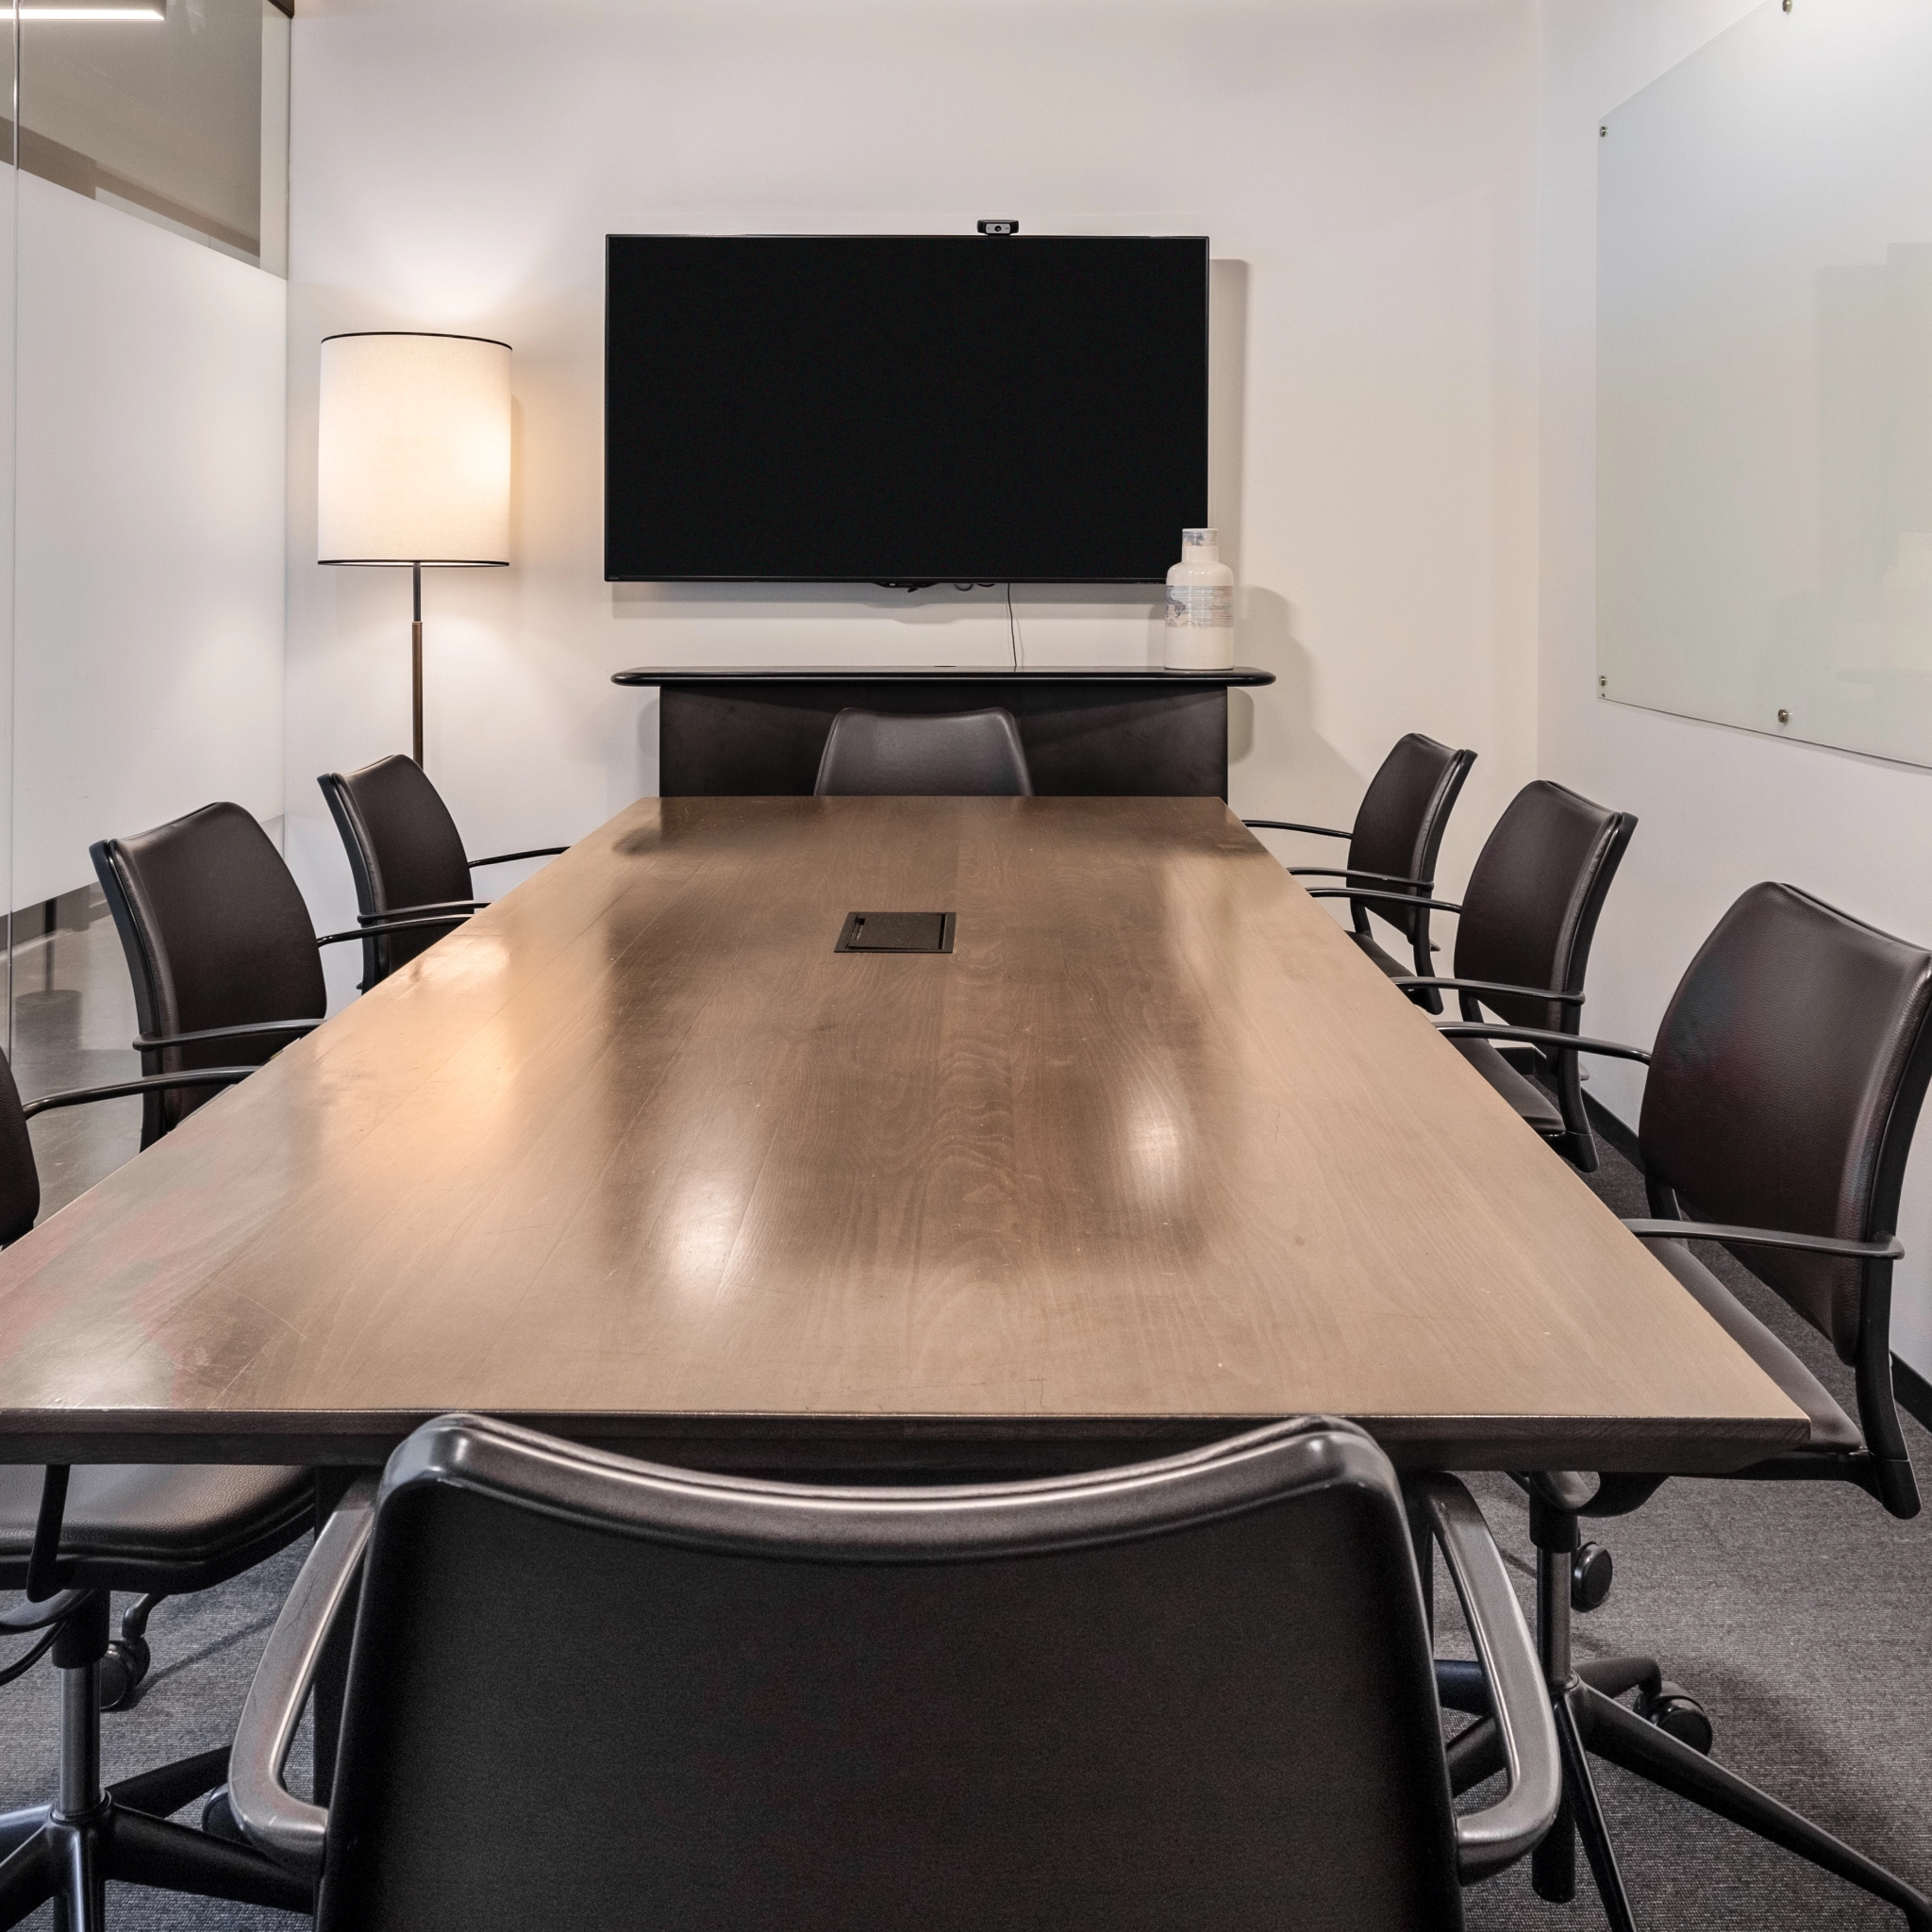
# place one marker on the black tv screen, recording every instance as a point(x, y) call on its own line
point(904, 408)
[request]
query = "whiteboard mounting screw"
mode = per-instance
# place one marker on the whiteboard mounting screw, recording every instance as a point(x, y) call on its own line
point(1603, 684)
point(1603, 130)
point(1788, 5)
point(1784, 717)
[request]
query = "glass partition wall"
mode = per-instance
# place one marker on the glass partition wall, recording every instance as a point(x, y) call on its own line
point(142, 426)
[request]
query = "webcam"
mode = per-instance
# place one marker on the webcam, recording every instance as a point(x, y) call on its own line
point(999, 227)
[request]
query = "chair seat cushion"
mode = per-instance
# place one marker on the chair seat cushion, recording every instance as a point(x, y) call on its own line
point(156, 1525)
point(1832, 1429)
point(1525, 1096)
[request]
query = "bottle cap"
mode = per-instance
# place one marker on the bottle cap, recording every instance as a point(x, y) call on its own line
point(1199, 540)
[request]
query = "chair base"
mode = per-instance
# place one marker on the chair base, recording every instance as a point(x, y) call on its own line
point(71, 1859)
point(1590, 1722)
point(67, 1851)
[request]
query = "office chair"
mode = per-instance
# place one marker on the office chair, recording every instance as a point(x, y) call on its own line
point(1523, 947)
point(71, 1538)
point(218, 946)
point(407, 857)
point(946, 754)
point(1191, 1692)
point(1784, 1088)
point(1398, 831)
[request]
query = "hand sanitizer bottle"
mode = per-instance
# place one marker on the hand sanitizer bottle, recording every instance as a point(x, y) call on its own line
point(1200, 607)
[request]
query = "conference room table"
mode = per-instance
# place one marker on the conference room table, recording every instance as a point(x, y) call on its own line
point(1152, 1154)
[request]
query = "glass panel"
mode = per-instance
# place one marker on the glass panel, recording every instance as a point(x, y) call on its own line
point(179, 116)
point(145, 422)
point(1764, 533)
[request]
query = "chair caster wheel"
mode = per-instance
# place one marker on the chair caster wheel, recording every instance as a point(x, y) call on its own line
point(1590, 1570)
point(121, 1670)
point(1674, 1710)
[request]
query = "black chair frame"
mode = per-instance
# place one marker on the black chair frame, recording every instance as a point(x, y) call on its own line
point(375, 920)
point(1576, 1139)
point(66, 1849)
point(887, 1527)
point(145, 970)
point(1666, 1738)
point(1427, 843)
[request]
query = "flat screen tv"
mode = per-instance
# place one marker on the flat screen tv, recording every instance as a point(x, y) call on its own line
point(904, 408)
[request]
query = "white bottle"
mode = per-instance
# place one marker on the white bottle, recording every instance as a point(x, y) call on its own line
point(1200, 607)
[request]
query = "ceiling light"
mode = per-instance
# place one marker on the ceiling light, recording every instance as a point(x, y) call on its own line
point(31, 12)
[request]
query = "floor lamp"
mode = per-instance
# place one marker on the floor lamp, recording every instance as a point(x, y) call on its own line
point(413, 461)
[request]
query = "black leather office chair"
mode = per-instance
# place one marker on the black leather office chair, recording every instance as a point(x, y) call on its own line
point(219, 947)
point(1784, 1088)
point(1522, 946)
point(69, 1539)
point(1194, 1691)
point(1397, 833)
point(407, 857)
point(947, 754)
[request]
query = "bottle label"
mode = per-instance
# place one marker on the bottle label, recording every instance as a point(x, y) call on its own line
point(1200, 607)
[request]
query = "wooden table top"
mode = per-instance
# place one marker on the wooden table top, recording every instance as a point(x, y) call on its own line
point(1154, 1152)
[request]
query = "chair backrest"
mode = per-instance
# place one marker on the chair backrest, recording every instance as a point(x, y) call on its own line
point(946, 754)
point(19, 1177)
point(404, 850)
point(1784, 1088)
point(1531, 906)
point(216, 934)
point(1398, 827)
point(1192, 1692)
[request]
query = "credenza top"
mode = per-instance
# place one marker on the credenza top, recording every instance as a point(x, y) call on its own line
point(937, 674)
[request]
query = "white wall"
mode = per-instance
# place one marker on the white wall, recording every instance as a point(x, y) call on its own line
point(1718, 808)
point(1365, 171)
point(150, 573)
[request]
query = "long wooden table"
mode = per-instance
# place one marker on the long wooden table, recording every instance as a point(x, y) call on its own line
point(636, 1156)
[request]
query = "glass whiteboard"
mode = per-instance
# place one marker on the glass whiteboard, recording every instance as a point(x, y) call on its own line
point(1764, 377)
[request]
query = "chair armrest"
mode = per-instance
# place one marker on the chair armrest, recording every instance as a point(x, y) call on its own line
point(382, 926)
point(1892, 1250)
point(155, 1041)
point(148, 1083)
point(1354, 872)
point(375, 918)
point(1488, 1840)
point(1391, 898)
point(1534, 993)
point(1540, 1035)
point(271, 1818)
point(505, 857)
point(1289, 826)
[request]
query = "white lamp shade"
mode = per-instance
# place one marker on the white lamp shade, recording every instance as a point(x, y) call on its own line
point(413, 450)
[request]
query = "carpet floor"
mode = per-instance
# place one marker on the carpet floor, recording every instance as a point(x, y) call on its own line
point(1799, 1615)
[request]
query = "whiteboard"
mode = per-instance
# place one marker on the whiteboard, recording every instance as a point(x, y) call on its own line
point(1764, 381)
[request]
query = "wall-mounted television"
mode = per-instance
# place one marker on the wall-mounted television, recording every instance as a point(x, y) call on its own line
point(904, 408)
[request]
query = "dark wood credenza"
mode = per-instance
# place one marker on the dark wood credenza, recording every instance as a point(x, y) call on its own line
point(1116, 731)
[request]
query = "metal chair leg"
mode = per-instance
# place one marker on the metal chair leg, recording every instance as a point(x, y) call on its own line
point(175, 1857)
point(1586, 1812)
point(16, 1827)
point(27, 1880)
point(1474, 1754)
point(1614, 1676)
point(1628, 1740)
point(162, 1792)
point(80, 1905)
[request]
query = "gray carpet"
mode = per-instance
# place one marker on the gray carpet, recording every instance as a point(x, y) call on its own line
point(1797, 1614)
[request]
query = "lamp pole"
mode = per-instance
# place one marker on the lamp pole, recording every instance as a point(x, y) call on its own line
point(416, 659)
